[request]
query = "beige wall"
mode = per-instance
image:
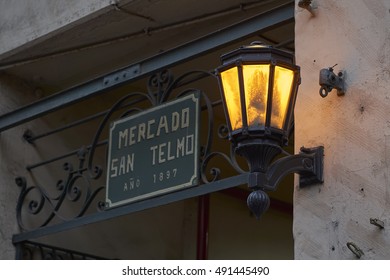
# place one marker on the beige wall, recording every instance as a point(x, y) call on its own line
point(355, 129)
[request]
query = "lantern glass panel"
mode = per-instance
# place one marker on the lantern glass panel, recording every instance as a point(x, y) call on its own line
point(283, 81)
point(231, 89)
point(256, 78)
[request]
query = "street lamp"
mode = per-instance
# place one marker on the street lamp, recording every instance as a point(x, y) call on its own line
point(259, 86)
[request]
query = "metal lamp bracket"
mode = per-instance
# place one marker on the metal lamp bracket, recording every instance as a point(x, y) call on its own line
point(329, 80)
point(309, 164)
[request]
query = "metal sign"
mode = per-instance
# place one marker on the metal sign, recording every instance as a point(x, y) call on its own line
point(153, 152)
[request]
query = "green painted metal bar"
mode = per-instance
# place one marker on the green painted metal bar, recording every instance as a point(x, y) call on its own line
point(249, 27)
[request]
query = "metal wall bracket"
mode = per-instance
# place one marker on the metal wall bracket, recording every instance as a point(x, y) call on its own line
point(309, 164)
point(376, 222)
point(355, 249)
point(329, 80)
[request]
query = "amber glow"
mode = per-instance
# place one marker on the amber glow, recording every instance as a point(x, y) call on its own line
point(256, 84)
point(283, 81)
point(232, 96)
point(256, 92)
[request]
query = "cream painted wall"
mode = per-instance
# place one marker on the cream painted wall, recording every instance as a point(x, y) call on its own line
point(355, 129)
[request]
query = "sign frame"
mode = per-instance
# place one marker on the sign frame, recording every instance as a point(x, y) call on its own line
point(192, 101)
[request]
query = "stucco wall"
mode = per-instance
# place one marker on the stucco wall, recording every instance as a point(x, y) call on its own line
point(16, 154)
point(354, 129)
point(25, 23)
point(13, 93)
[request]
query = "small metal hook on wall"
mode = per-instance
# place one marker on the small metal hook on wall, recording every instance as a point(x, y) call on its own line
point(329, 80)
point(307, 5)
point(355, 249)
point(376, 222)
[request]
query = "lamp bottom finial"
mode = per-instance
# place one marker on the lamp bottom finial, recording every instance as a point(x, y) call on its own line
point(258, 202)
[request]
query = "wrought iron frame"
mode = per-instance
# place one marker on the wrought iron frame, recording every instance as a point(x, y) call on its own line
point(160, 88)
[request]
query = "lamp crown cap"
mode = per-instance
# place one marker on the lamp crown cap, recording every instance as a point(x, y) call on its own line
point(257, 51)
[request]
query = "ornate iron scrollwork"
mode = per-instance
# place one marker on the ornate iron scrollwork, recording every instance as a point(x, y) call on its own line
point(67, 191)
point(78, 184)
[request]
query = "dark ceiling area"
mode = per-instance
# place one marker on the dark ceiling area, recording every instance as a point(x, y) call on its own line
point(130, 32)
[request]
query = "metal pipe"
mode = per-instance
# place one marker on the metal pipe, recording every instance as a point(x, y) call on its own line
point(203, 227)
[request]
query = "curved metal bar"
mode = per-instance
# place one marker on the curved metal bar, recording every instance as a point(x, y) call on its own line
point(35, 207)
point(96, 171)
point(223, 133)
point(179, 81)
point(158, 83)
point(89, 199)
point(234, 162)
point(68, 191)
point(130, 112)
point(214, 171)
